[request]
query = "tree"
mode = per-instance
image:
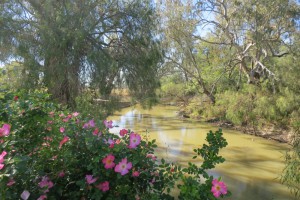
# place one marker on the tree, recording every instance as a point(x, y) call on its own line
point(255, 31)
point(70, 44)
point(245, 37)
point(11, 76)
point(178, 28)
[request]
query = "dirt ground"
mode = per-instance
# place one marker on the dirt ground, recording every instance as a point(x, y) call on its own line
point(270, 133)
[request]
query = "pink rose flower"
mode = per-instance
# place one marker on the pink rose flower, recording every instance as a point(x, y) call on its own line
point(96, 131)
point(46, 183)
point(134, 140)
point(61, 174)
point(5, 130)
point(92, 123)
point(2, 159)
point(11, 182)
point(108, 161)
point(89, 124)
point(118, 141)
point(51, 114)
point(63, 141)
point(135, 174)
point(104, 186)
point(111, 143)
point(75, 114)
point(218, 188)
point(89, 179)
point(108, 124)
point(42, 197)
point(61, 129)
point(66, 119)
point(123, 132)
point(123, 167)
point(85, 126)
point(152, 156)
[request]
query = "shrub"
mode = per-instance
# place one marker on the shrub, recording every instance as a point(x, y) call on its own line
point(211, 188)
point(291, 173)
point(48, 152)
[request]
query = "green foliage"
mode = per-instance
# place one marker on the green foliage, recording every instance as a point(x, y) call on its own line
point(233, 106)
point(291, 172)
point(170, 88)
point(244, 61)
point(35, 140)
point(253, 107)
point(175, 87)
point(51, 150)
point(190, 187)
point(11, 76)
point(88, 104)
point(66, 46)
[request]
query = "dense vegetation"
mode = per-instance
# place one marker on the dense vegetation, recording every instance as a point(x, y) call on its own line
point(48, 152)
point(229, 60)
point(245, 64)
point(69, 46)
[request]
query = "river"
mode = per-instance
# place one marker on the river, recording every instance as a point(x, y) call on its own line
point(253, 164)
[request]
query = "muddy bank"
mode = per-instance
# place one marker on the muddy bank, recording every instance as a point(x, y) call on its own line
point(268, 132)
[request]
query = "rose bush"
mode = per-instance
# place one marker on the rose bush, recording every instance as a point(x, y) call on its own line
point(51, 153)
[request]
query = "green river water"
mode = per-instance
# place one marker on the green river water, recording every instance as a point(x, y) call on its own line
point(252, 167)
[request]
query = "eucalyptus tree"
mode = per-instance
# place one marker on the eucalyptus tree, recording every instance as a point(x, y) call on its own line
point(254, 31)
point(70, 44)
point(178, 26)
point(245, 37)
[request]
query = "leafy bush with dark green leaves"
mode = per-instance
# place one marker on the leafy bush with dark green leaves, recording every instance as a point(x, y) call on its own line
point(191, 189)
point(49, 152)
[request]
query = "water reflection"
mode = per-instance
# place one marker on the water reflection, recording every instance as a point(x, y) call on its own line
point(253, 165)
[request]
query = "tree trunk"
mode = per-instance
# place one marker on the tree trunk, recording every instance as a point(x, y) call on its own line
point(206, 92)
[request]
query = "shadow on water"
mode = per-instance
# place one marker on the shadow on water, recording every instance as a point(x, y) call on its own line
point(252, 167)
point(244, 186)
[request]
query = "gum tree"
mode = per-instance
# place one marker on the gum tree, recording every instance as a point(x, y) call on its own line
point(255, 31)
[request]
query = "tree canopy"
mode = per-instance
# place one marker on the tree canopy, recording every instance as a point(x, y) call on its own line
point(70, 44)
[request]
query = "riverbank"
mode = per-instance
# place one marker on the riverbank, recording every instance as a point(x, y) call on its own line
point(269, 132)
